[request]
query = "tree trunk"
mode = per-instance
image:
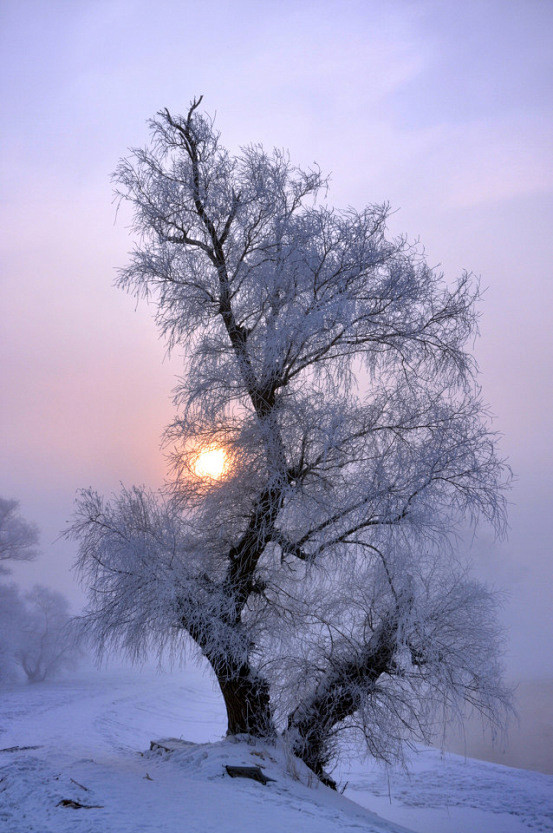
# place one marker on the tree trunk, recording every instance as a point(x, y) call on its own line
point(246, 694)
point(247, 702)
point(340, 694)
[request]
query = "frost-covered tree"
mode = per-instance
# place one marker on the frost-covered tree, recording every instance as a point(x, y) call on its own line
point(12, 618)
point(36, 634)
point(47, 643)
point(330, 442)
point(18, 537)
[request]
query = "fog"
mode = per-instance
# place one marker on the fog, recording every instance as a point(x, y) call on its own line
point(442, 109)
point(528, 742)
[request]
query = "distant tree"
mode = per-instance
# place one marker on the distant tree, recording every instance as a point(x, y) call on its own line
point(36, 634)
point(18, 537)
point(47, 643)
point(12, 617)
point(330, 443)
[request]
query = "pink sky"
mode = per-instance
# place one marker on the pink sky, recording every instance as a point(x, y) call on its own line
point(441, 108)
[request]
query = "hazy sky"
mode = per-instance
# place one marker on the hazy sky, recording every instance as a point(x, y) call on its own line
point(444, 109)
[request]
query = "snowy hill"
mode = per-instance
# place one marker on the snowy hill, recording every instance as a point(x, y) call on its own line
point(91, 737)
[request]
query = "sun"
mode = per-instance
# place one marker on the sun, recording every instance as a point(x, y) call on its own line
point(211, 462)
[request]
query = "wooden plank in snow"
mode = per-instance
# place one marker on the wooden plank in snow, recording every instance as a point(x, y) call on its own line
point(253, 772)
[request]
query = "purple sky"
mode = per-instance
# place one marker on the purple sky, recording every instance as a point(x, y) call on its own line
point(444, 109)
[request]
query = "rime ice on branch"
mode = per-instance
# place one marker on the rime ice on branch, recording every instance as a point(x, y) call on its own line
point(329, 363)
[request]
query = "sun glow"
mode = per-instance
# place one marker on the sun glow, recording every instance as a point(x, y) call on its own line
point(211, 462)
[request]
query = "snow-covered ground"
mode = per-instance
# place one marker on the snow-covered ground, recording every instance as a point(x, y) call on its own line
point(92, 735)
point(452, 794)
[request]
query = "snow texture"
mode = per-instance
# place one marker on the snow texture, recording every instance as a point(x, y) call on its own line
point(93, 736)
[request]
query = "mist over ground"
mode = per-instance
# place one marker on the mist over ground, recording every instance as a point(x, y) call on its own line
point(528, 743)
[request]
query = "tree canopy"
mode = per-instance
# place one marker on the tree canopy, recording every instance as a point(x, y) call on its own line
point(327, 364)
